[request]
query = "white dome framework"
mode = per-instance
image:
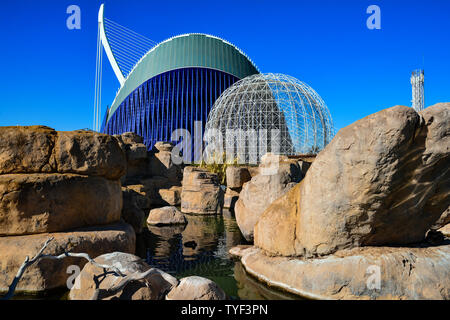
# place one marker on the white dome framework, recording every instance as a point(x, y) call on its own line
point(269, 113)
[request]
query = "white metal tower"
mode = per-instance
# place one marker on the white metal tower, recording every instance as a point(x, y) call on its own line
point(417, 83)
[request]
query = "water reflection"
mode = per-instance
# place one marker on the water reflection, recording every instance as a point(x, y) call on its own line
point(201, 248)
point(251, 289)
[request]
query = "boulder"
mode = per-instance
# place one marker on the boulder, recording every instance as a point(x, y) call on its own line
point(136, 156)
point(196, 288)
point(152, 287)
point(138, 194)
point(89, 153)
point(165, 216)
point(361, 273)
point(171, 196)
point(201, 192)
point(277, 176)
point(27, 149)
point(39, 149)
point(161, 164)
point(382, 180)
point(48, 274)
point(237, 176)
point(37, 203)
point(230, 198)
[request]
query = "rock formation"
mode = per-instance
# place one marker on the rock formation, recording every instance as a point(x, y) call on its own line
point(236, 177)
point(277, 175)
point(152, 179)
point(201, 192)
point(152, 287)
point(63, 185)
point(196, 288)
point(367, 209)
point(166, 216)
point(383, 180)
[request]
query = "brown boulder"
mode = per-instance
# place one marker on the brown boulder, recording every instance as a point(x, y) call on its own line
point(201, 192)
point(237, 176)
point(196, 288)
point(49, 274)
point(377, 183)
point(37, 203)
point(152, 287)
point(27, 149)
point(39, 149)
point(277, 176)
point(89, 153)
point(165, 216)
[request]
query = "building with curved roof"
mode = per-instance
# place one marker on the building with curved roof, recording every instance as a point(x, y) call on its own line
point(268, 113)
point(174, 85)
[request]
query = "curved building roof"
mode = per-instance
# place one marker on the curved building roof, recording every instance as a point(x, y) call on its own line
point(183, 51)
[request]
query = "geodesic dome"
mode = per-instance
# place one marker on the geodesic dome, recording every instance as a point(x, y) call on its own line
point(268, 113)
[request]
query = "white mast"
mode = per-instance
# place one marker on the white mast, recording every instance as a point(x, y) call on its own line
point(109, 54)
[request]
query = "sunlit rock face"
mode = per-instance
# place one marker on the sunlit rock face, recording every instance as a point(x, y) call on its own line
point(383, 180)
point(277, 175)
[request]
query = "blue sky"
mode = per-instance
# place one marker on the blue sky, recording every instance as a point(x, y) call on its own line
point(49, 70)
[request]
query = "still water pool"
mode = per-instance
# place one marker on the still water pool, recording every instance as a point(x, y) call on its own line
point(201, 248)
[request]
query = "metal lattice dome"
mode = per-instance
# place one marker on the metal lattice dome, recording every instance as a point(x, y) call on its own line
point(269, 113)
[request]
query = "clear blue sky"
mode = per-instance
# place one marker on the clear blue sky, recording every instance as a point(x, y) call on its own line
point(48, 71)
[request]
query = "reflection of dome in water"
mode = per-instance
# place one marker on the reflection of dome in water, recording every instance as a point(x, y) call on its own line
point(270, 112)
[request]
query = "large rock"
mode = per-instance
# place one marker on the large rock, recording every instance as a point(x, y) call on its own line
point(89, 153)
point(277, 176)
point(36, 203)
point(403, 273)
point(201, 193)
point(196, 288)
point(383, 180)
point(27, 149)
point(165, 216)
point(39, 149)
point(237, 176)
point(161, 164)
point(152, 287)
point(136, 156)
point(49, 274)
point(230, 198)
point(170, 196)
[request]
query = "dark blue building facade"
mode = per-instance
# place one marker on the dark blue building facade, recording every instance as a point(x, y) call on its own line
point(175, 85)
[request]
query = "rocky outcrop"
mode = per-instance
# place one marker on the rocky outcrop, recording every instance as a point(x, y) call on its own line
point(383, 180)
point(201, 192)
point(39, 149)
point(237, 176)
point(235, 179)
point(152, 287)
point(361, 273)
point(60, 184)
point(161, 163)
point(38, 203)
point(277, 175)
point(50, 274)
point(166, 216)
point(136, 157)
point(196, 288)
point(362, 223)
point(230, 198)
